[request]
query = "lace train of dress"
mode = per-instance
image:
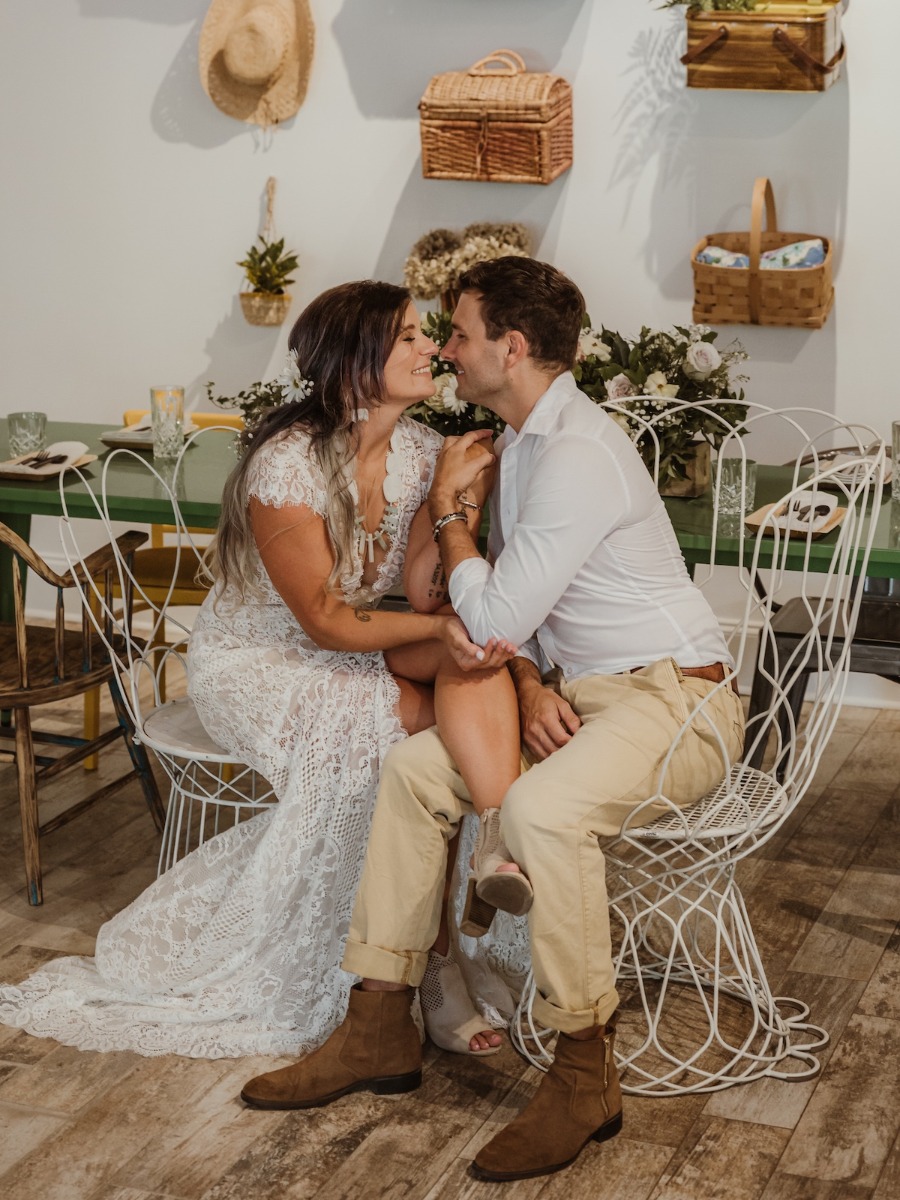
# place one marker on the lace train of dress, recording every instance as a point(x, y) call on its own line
point(236, 950)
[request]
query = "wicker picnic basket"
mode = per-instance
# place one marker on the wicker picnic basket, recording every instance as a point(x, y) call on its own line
point(496, 122)
point(750, 296)
point(786, 46)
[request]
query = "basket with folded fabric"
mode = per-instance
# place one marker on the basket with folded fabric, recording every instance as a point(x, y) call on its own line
point(762, 276)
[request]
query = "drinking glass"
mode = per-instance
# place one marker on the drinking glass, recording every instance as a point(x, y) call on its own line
point(737, 485)
point(27, 432)
point(167, 419)
point(895, 460)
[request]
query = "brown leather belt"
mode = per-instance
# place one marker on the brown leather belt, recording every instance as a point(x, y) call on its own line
point(714, 672)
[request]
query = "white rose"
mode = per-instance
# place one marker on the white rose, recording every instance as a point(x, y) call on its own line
point(619, 387)
point(657, 385)
point(590, 342)
point(701, 360)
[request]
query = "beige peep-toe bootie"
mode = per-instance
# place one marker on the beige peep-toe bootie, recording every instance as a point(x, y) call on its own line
point(489, 889)
point(447, 1009)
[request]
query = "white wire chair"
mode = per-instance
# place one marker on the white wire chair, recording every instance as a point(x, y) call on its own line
point(698, 1012)
point(208, 789)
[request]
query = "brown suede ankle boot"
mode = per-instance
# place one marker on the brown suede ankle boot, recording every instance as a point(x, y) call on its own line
point(578, 1100)
point(376, 1048)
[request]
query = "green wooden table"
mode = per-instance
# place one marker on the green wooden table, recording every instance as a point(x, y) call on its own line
point(132, 492)
point(133, 495)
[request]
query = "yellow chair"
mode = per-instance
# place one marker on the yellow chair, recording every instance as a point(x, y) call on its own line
point(155, 568)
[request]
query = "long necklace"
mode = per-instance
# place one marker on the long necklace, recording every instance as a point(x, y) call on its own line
point(392, 489)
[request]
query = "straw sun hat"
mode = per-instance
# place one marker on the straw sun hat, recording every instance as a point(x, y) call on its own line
point(255, 57)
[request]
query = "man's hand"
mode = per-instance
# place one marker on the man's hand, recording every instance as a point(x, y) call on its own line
point(548, 721)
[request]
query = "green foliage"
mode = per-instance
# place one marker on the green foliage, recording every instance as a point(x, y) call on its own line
point(647, 380)
point(254, 401)
point(268, 269)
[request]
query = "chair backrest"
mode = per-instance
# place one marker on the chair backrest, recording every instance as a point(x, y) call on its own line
point(142, 657)
point(202, 420)
point(768, 565)
point(99, 566)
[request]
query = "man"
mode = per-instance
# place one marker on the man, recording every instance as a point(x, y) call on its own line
point(618, 647)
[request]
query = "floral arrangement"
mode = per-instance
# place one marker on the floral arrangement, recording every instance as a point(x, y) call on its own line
point(256, 400)
point(657, 368)
point(444, 411)
point(437, 260)
point(717, 5)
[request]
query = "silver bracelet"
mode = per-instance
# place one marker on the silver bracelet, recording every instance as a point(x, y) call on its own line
point(442, 521)
point(468, 504)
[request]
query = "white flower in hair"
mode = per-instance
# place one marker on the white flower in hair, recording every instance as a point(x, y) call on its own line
point(294, 386)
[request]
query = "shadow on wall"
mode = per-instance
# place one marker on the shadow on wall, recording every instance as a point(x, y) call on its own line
point(232, 349)
point(415, 39)
point(690, 140)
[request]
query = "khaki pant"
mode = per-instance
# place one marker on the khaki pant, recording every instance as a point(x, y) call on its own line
point(553, 818)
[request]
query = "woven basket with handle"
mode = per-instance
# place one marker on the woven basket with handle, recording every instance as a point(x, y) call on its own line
point(496, 122)
point(750, 296)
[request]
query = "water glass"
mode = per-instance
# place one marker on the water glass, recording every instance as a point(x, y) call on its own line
point(895, 460)
point(167, 420)
point(737, 485)
point(27, 432)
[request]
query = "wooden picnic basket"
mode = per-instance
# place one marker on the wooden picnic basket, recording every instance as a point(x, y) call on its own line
point(800, 296)
point(786, 46)
point(496, 122)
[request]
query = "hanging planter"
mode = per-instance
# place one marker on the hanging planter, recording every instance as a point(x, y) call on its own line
point(265, 308)
point(780, 45)
point(267, 272)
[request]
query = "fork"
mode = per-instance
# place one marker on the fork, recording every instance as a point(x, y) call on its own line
point(44, 459)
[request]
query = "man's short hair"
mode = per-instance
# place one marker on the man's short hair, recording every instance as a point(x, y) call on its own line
point(533, 298)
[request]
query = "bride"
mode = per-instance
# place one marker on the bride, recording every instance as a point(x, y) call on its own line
point(295, 670)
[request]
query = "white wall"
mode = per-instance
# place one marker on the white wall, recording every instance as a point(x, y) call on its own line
point(128, 196)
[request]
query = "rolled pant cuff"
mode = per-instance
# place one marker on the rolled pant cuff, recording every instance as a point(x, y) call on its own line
point(567, 1021)
point(390, 966)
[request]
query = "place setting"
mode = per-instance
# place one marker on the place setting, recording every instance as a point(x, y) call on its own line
point(32, 458)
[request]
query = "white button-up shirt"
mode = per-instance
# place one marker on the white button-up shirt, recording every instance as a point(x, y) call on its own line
point(588, 575)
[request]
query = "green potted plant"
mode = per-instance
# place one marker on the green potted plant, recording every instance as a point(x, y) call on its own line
point(267, 271)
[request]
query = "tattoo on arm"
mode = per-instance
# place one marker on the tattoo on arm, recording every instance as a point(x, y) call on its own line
point(362, 615)
point(438, 588)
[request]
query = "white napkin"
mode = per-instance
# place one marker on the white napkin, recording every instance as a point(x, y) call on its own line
point(72, 451)
point(806, 513)
point(849, 465)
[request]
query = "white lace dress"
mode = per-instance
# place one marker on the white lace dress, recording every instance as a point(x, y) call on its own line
point(236, 950)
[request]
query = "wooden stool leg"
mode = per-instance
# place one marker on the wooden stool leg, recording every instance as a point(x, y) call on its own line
point(28, 806)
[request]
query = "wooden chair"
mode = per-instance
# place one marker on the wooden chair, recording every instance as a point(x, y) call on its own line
point(40, 665)
point(699, 1013)
point(161, 580)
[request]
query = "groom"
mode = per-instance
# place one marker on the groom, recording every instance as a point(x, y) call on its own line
point(617, 648)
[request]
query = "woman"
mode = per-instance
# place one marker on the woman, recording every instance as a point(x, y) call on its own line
point(236, 950)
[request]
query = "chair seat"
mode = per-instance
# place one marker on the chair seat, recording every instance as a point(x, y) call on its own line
point(175, 729)
point(758, 801)
point(44, 683)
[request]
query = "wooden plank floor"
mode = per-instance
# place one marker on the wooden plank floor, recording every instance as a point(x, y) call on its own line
point(824, 897)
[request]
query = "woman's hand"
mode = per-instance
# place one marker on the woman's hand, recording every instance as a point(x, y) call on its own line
point(461, 462)
point(468, 656)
